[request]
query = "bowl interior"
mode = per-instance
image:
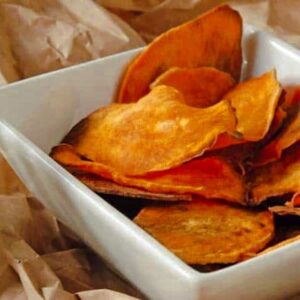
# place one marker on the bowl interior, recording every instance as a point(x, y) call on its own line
point(44, 109)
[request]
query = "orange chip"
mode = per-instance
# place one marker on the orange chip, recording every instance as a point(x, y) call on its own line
point(103, 186)
point(157, 133)
point(282, 244)
point(296, 200)
point(198, 43)
point(206, 232)
point(225, 140)
point(278, 121)
point(255, 101)
point(211, 176)
point(277, 178)
point(251, 106)
point(288, 136)
point(201, 87)
point(280, 117)
point(292, 97)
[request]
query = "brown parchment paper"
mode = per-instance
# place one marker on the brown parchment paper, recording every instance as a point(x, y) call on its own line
point(37, 36)
point(151, 18)
point(27, 230)
point(45, 35)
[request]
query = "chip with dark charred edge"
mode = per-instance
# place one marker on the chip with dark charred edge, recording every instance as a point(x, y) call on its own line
point(157, 133)
point(201, 87)
point(255, 102)
point(211, 177)
point(280, 245)
point(277, 178)
point(103, 186)
point(289, 135)
point(202, 42)
point(204, 231)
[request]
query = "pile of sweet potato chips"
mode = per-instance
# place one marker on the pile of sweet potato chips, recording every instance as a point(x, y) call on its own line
point(213, 153)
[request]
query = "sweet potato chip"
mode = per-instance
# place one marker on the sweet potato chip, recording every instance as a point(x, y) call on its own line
point(157, 133)
point(103, 186)
point(296, 200)
point(279, 245)
point(277, 178)
point(201, 87)
point(255, 101)
point(205, 232)
point(292, 97)
point(288, 136)
point(210, 177)
point(198, 43)
point(244, 99)
point(278, 121)
point(225, 140)
point(65, 155)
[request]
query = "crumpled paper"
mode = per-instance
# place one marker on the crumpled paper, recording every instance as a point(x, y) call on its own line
point(150, 18)
point(157, 16)
point(37, 36)
point(9, 182)
point(45, 35)
point(27, 230)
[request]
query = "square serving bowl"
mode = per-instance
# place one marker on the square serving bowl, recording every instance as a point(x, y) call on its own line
point(35, 114)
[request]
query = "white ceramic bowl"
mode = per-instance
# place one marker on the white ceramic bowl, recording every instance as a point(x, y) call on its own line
point(36, 113)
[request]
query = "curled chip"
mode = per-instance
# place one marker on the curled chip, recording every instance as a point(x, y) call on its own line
point(277, 178)
point(289, 208)
point(201, 42)
point(211, 177)
point(201, 87)
point(206, 232)
point(103, 186)
point(283, 210)
point(281, 244)
point(289, 135)
point(255, 101)
point(157, 133)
